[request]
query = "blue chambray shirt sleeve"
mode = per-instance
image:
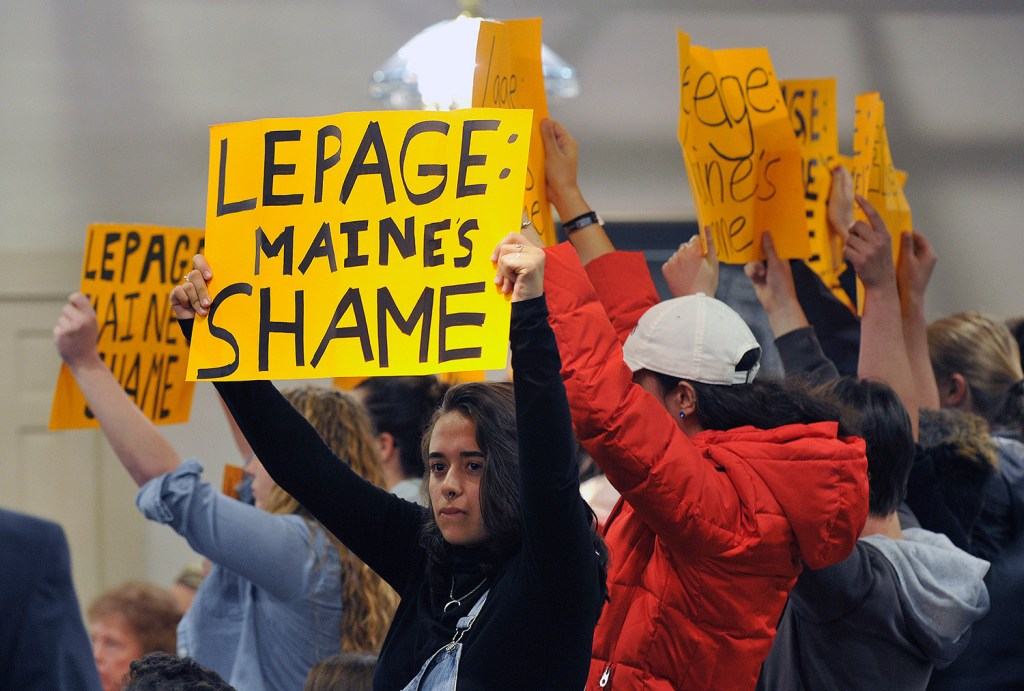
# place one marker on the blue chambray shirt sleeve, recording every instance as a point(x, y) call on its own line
point(276, 552)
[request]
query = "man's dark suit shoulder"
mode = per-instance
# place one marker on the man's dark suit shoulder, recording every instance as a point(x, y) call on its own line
point(43, 644)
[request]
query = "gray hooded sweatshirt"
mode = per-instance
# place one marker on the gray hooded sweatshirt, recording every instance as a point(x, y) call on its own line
point(881, 619)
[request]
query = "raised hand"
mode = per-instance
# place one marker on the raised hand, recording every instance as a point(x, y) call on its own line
point(192, 295)
point(76, 333)
point(840, 201)
point(869, 248)
point(520, 267)
point(916, 263)
point(774, 287)
point(561, 163)
point(691, 269)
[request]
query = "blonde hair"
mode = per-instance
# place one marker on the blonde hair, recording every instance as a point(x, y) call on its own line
point(368, 603)
point(983, 351)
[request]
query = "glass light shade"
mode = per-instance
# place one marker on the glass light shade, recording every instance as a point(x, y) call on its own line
point(434, 70)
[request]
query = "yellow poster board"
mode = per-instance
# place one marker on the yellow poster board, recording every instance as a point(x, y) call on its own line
point(742, 157)
point(128, 272)
point(359, 244)
point(509, 74)
point(875, 176)
point(812, 111)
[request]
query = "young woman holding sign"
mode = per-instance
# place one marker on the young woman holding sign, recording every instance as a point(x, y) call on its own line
point(502, 578)
point(283, 593)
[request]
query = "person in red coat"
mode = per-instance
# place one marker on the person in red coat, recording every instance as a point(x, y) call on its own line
point(729, 484)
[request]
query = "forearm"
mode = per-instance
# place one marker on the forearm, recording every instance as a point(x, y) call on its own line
point(883, 353)
point(915, 334)
point(378, 527)
point(544, 426)
point(590, 242)
point(557, 540)
point(141, 448)
point(802, 357)
point(787, 318)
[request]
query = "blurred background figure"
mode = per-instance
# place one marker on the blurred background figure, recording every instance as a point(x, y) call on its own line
point(43, 644)
point(125, 623)
point(978, 370)
point(400, 408)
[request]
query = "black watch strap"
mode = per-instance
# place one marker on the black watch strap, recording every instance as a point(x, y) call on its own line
point(582, 221)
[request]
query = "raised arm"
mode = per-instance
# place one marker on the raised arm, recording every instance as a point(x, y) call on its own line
point(376, 526)
point(143, 451)
point(774, 287)
point(914, 270)
point(561, 163)
point(883, 352)
point(795, 339)
point(557, 527)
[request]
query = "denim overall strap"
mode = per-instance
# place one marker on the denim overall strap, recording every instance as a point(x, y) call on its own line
point(441, 670)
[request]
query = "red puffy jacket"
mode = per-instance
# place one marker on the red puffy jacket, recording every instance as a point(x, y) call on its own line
point(711, 532)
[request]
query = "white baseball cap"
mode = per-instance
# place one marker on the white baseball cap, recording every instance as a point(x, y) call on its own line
point(694, 337)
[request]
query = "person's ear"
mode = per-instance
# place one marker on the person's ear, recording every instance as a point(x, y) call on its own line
point(687, 398)
point(953, 391)
point(684, 400)
point(386, 444)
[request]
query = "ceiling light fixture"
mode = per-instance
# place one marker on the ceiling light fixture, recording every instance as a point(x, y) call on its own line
point(434, 69)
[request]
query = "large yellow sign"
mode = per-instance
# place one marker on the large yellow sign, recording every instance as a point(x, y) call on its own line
point(359, 244)
point(742, 157)
point(509, 74)
point(128, 272)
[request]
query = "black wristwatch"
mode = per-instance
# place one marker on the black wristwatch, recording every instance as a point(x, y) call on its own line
point(582, 221)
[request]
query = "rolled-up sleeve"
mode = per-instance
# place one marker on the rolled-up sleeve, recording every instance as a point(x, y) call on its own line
point(224, 530)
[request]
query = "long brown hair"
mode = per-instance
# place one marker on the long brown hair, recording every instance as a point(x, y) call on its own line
point(368, 603)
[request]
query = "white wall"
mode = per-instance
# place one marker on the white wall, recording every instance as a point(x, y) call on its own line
point(104, 109)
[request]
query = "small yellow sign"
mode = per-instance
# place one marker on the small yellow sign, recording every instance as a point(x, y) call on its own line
point(875, 176)
point(812, 110)
point(128, 272)
point(509, 74)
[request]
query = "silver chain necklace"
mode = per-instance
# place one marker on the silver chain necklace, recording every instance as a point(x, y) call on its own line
point(457, 602)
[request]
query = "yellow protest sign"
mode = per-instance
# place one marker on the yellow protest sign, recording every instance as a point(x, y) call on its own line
point(509, 74)
point(359, 244)
point(812, 111)
point(128, 272)
point(875, 176)
point(742, 157)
